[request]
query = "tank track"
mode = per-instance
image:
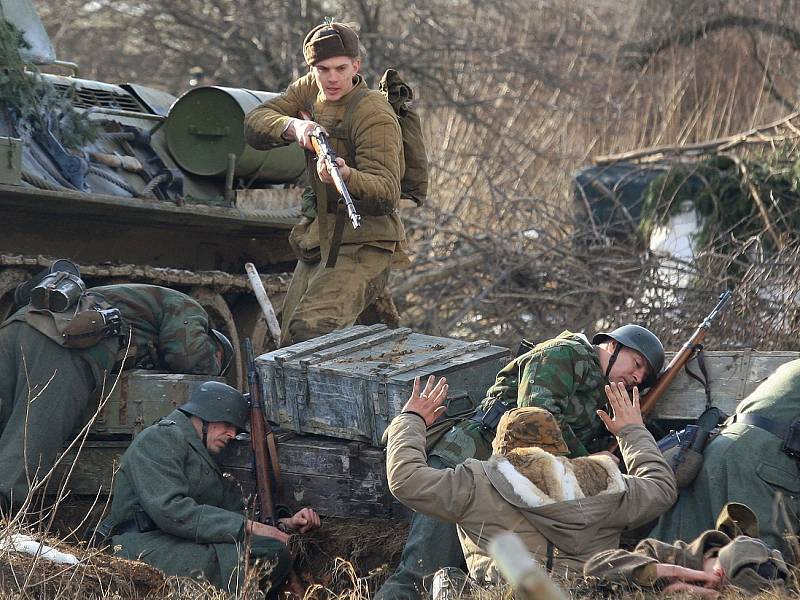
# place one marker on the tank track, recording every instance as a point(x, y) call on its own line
point(217, 280)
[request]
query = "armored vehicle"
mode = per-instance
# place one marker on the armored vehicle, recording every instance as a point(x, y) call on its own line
point(134, 184)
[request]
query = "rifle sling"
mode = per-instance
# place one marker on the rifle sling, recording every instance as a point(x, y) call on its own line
point(703, 378)
point(336, 238)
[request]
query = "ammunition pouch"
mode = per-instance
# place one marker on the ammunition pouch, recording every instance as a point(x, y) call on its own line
point(57, 292)
point(683, 450)
point(140, 523)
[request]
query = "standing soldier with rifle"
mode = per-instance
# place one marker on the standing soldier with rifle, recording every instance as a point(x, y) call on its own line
point(355, 152)
point(174, 509)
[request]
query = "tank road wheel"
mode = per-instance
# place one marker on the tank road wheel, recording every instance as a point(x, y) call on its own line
point(250, 323)
point(9, 280)
point(222, 319)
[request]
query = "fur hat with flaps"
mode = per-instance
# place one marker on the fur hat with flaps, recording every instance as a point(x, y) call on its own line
point(328, 40)
point(752, 565)
point(528, 427)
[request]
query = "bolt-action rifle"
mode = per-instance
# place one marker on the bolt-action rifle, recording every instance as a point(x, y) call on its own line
point(692, 346)
point(264, 447)
point(322, 146)
point(265, 451)
point(326, 153)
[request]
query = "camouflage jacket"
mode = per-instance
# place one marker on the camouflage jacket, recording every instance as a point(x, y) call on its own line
point(168, 332)
point(561, 375)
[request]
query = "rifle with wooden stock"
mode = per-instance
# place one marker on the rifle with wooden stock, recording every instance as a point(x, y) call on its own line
point(265, 450)
point(688, 351)
point(326, 153)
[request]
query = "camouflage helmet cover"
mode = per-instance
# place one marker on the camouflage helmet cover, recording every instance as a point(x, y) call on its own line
point(526, 427)
point(641, 339)
point(215, 402)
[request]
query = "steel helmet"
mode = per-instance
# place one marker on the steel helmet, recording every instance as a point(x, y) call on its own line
point(643, 341)
point(214, 402)
point(226, 347)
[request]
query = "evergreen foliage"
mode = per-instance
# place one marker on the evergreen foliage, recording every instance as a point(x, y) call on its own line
point(721, 188)
point(32, 102)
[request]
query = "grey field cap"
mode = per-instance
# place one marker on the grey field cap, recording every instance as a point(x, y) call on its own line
point(640, 339)
point(214, 402)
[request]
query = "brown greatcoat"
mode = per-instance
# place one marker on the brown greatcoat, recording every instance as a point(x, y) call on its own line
point(376, 168)
point(486, 497)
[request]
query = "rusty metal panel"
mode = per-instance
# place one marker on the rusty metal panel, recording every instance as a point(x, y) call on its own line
point(139, 398)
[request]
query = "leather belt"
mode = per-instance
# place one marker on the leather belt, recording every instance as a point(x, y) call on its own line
point(774, 427)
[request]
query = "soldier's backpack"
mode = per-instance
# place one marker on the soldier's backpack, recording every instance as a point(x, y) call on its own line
point(399, 94)
point(414, 183)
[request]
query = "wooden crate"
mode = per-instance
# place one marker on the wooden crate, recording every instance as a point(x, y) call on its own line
point(351, 383)
point(139, 398)
point(732, 375)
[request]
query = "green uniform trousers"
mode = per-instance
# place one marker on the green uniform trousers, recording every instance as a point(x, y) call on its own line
point(187, 558)
point(321, 300)
point(46, 396)
point(431, 545)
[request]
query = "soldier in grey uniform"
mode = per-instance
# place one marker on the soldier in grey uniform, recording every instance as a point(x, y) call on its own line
point(174, 509)
point(55, 364)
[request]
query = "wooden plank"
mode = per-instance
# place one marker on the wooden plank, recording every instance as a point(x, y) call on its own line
point(732, 375)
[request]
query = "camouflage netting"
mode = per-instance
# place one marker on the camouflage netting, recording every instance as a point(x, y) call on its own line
point(735, 198)
point(33, 103)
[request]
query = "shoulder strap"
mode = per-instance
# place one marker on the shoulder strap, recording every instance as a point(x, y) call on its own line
point(347, 122)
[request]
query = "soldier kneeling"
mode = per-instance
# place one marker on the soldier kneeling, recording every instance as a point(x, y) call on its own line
point(174, 509)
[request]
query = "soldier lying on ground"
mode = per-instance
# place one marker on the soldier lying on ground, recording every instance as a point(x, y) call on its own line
point(565, 376)
point(55, 365)
point(753, 461)
point(716, 558)
point(174, 509)
point(565, 510)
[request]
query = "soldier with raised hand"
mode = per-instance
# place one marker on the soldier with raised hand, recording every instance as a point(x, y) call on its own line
point(365, 134)
point(55, 365)
point(174, 508)
point(566, 376)
point(564, 509)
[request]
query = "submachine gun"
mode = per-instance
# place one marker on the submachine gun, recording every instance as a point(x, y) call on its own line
point(693, 347)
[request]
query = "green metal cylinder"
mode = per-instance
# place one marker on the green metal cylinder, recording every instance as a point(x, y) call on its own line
point(206, 124)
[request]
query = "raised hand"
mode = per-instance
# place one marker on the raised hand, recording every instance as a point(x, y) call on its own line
point(430, 402)
point(625, 411)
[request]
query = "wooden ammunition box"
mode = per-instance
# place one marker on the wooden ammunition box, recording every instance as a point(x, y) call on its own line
point(351, 383)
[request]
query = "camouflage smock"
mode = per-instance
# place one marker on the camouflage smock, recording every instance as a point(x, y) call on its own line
point(562, 375)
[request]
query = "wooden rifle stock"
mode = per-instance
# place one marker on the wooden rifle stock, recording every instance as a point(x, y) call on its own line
point(265, 452)
point(325, 153)
point(263, 440)
point(684, 355)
